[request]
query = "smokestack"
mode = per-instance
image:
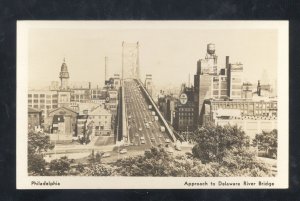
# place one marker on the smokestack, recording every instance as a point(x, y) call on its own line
point(189, 84)
point(227, 62)
point(198, 67)
point(90, 85)
point(105, 73)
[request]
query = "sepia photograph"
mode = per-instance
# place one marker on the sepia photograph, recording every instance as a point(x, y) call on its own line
point(152, 104)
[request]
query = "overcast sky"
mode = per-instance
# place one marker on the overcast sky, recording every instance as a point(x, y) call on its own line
point(169, 54)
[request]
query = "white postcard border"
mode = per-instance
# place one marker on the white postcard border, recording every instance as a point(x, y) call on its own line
point(76, 182)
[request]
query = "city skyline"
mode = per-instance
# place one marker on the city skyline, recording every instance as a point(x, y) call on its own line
point(162, 51)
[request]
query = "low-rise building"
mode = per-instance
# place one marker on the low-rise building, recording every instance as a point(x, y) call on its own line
point(253, 116)
point(34, 119)
point(64, 123)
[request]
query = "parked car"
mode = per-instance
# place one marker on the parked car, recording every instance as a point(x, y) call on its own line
point(140, 129)
point(123, 151)
point(142, 141)
point(167, 140)
point(152, 139)
point(170, 150)
point(178, 148)
point(106, 154)
point(142, 138)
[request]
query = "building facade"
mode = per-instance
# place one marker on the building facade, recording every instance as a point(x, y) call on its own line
point(64, 123)
point(184, 113)
point(34, 119)
point(253, 116)
point(44, 100)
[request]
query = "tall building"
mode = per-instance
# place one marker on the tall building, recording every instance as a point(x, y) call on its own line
point(184, 113)
point(209, 65)
point(235, 78)
point(44, 100)
point(167, 105)
point(219, 87)
point(203, 91)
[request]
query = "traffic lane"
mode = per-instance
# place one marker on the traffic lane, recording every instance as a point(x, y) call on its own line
point(139, 111)
point(147, 114)
point(141, 119)
point(150, 131)
point(139, 123)
point(141, 106)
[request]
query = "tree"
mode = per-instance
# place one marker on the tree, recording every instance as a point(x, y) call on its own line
point(267, 141)
point(243, 162)
point(213, 142)
point(60, 166)
point(98, 169)
point(158, 162)
point(38, 143)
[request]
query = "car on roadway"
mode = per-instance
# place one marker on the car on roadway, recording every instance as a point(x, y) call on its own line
point(160, 136)
point(152, 139)
point(106, 154)
point(178, 148)
point(136, 135)
point(167, 140)
point(123, 151)
point(170, 150)
point(142, 138)
point(142, 141)
point(140, 129)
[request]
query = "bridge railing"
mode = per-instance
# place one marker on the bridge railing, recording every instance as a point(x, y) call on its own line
point(168, 129)
point(124, 117)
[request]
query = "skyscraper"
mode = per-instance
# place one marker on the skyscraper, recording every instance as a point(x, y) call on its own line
point(235, 78)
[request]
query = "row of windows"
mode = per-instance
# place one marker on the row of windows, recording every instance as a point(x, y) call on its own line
point(42, 101)
point(97, 117)
point(223, 92)
point(42, 96)
point(186, 123)
point(42, 106)
point(33, 115)
point(185, 113)
point(186, 117)
point(263, 106)
point(186, 109)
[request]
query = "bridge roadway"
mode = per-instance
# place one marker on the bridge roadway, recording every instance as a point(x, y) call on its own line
point(138, 114)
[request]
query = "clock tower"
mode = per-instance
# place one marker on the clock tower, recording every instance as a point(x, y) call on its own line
point(64, 92)
point(64, 76)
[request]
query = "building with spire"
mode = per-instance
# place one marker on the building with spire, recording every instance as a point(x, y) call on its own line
point(64, 92)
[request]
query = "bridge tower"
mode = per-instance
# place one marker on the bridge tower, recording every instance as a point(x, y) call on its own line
point(148, 83)
point(130, 60)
